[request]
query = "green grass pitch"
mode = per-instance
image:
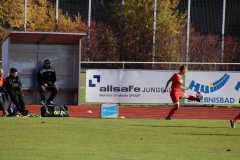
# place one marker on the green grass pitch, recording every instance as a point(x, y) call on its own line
point(118, 139)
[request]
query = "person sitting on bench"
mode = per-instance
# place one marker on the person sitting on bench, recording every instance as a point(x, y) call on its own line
point(14, 88)
point(4, 96)
point(46, 78)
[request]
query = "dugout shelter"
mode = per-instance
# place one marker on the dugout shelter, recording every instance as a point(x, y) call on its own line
point(26, 51)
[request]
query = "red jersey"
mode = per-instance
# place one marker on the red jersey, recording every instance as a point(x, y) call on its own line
point(176, 82)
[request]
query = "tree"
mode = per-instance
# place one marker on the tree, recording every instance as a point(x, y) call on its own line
point(103, 44)
point(138, 27)
point(207, 48)
point(41, 17)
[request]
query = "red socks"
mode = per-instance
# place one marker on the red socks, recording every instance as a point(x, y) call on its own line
point(192, 98)
point(236, 118)
point(172, 111)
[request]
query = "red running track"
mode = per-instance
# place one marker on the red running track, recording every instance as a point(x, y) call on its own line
point(158, 112)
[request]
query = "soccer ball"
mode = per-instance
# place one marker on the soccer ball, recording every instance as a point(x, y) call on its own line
point(199, 95)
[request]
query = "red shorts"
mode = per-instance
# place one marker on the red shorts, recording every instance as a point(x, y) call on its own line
point(176, 96)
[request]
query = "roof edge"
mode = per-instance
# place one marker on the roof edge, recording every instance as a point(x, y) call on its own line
point(60, 33)
point(26, 32)
point(5, 37)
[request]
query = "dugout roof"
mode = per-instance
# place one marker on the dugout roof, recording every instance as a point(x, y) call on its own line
point(21, 37)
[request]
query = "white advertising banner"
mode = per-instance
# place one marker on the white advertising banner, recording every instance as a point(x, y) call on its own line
point(146, 86)
point(127, 86)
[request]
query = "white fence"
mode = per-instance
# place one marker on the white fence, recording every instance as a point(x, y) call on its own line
point(164, 63)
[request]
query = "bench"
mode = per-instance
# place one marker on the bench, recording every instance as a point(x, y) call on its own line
point(35, 89)
point(64, 96)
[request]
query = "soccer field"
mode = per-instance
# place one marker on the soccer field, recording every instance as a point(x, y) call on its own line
point(125, 139)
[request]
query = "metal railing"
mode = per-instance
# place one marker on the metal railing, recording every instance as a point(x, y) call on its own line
point(166, 63)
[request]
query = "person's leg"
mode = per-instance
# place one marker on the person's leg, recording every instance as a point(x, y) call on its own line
point(2, 108)
point(172, 111)
point(14, 99)
point(233, 121)
point(236, 118)
point(7, 102)
point(192, 98)
point(42, 92)
point(21, 101)
point(1, 105)
point(175, 100)
point(54, 90)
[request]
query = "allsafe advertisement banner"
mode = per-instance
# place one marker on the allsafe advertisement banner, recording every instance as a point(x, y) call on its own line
point(126, 86)
point(146, 86)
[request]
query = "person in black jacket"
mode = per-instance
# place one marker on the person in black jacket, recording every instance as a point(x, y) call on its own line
point(14, 88)
point(4, 99)
point(46, 77)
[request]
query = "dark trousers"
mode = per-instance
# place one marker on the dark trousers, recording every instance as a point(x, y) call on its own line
point(5, 101)
point(2, 105)
point(42, 91)
point(17, 98)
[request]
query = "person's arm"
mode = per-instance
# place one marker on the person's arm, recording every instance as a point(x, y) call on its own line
point(184, 88)
point(170, 80)
point(10, 84)
point(53, 78)
point(19, 83)
point(2, 86)
point(39, 78)
point(4, 89)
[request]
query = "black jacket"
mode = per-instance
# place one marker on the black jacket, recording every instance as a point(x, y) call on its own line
point(46, 75)
point(13, 84)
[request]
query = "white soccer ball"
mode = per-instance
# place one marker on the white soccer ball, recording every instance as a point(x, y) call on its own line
point(199, 95)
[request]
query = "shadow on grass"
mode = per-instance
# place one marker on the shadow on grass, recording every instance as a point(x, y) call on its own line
point(176, 126)
point(201, 134)
point(209, 134)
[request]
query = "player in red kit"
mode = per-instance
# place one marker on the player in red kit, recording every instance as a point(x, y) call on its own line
point(233, 121)
point(175, 92)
